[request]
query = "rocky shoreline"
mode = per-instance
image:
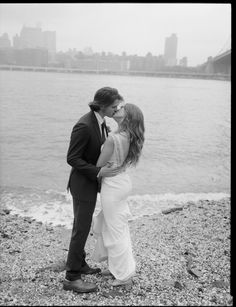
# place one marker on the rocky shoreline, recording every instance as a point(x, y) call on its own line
point(183, 258)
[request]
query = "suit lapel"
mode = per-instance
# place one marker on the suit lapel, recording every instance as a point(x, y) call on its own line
point(96, 126)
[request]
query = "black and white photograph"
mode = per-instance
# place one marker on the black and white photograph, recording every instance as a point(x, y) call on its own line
point(115, 154)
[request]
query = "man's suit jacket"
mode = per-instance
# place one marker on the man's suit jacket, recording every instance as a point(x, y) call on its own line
point(84, 150)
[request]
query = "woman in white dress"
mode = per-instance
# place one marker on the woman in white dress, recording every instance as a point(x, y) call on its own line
point(110, 226)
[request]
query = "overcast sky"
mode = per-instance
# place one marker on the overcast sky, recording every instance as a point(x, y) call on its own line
point(136, 28)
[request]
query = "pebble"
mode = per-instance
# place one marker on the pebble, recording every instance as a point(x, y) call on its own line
point(162, 245)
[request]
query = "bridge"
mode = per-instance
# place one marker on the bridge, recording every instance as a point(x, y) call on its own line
point(220, 64)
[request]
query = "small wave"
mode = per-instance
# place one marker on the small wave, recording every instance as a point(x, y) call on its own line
point(150, 204)
point(55, 207)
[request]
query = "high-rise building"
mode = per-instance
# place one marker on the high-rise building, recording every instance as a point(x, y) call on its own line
point(170, 52)
point(35, 38)
point(5, 41)
point(31, 37)
point(49, 41)
point(17, 43)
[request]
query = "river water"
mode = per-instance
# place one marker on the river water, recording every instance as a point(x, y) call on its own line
point(186, 153)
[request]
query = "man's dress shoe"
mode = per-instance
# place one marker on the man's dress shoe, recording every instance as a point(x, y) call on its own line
point(87, 270)
point(79, 286)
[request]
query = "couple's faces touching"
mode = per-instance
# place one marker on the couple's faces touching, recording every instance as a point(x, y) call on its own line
point(120, 113)
point(115, 110)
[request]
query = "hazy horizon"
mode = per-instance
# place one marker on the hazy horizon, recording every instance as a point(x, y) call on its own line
point(202, 30)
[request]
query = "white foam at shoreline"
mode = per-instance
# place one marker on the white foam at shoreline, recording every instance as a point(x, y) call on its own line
point(60, 213)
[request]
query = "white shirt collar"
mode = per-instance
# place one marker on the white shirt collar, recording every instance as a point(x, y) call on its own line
point(99, 118)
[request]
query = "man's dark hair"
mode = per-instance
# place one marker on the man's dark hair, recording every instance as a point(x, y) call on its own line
point(104, 97)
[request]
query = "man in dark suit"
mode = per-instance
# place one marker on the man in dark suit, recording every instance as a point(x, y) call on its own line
point(87, 137)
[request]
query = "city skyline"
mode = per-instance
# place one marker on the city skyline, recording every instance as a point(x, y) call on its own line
point(111, 27)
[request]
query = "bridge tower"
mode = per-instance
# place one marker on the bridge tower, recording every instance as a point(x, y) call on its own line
point(221, 63)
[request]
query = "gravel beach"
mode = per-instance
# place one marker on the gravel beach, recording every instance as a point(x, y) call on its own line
point(183, 259)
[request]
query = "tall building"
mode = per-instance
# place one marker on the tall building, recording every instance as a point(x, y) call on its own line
point(49, 41)
point(31, 37)
point(17, 43)
point(5, 41)
point(35, 38)
point(170, 52)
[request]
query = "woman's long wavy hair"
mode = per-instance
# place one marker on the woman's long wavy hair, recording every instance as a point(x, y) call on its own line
point(133, 125)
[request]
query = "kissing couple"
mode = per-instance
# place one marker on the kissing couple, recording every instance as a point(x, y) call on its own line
point(100, 162)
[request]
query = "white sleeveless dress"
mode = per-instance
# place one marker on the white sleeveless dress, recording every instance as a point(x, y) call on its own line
point(110, 225)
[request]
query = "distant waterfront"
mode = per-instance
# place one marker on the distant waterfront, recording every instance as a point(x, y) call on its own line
point(162, 74)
